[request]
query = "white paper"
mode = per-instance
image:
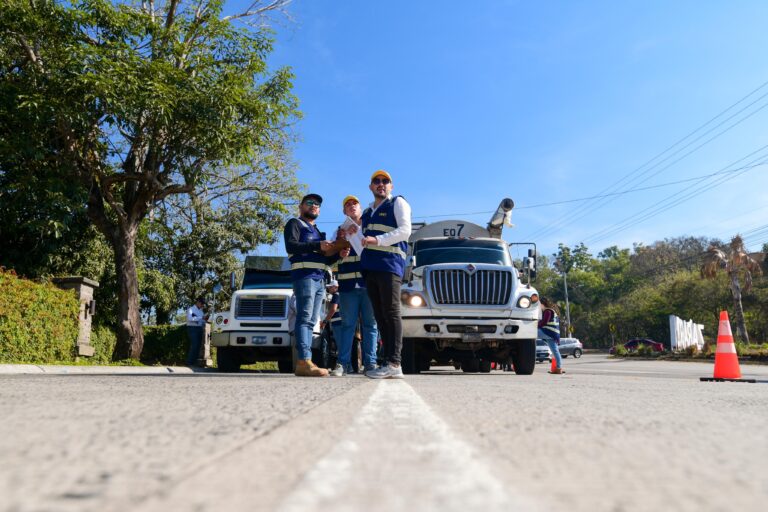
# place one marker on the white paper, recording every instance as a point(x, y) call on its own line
point(355, 239)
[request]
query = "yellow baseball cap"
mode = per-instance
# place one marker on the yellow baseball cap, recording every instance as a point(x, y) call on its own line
point(348, 199)
point(383, 173)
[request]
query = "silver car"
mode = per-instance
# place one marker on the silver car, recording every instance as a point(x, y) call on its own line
point(570, 347)
point(542, 351)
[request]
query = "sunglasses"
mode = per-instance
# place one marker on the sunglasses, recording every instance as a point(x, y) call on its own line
point(310, 202)
point(380, 181)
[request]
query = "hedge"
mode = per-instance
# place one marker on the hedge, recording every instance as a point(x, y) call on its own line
point(38, 321)
point(165, 344)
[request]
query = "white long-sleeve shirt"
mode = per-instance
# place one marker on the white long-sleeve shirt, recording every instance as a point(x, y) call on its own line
point(195, 316)
point(402, 211)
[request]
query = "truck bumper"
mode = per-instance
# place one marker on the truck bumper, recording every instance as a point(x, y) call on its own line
point(469, 330)
point(251, 339)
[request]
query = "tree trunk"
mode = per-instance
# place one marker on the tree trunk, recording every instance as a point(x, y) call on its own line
point(738, 310)
point(130, 337)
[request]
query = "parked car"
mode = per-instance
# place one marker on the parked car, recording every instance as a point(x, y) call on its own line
point(635, 343)
point(542, 351)
point(571, 347)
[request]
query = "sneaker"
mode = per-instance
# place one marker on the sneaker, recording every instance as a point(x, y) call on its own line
point(339, 371)
point(385, 372)
point(368, 369)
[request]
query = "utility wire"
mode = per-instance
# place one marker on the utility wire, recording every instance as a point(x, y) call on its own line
point(673, 200)
point(582, 208)
point(554, 228)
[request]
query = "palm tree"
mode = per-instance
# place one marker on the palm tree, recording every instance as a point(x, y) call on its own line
point(735, 263)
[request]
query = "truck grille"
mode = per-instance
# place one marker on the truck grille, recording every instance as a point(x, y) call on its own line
point(263, 307)
point(483, 287)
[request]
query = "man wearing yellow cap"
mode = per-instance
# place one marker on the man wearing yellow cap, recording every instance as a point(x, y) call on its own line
point(354, 303)
point(386, 227)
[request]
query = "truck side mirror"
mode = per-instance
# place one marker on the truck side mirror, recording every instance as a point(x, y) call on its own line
point(232, 281)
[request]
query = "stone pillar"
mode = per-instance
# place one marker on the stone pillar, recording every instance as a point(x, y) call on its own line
point(84, 290)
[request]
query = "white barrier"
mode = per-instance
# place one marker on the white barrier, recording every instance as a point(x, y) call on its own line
point(684, 333)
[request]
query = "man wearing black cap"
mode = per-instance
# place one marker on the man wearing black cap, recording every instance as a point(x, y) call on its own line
point(307, 249)
point(195, 330)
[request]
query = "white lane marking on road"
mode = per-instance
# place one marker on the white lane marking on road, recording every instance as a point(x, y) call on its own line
point(399, 455)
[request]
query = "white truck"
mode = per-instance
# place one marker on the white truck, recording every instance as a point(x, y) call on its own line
point(463, 300)
point(258, 325)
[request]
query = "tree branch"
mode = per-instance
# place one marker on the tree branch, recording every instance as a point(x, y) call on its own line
point(255, 10)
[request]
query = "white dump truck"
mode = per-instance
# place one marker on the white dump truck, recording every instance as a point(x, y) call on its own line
point(463, 300)
point(259, 323)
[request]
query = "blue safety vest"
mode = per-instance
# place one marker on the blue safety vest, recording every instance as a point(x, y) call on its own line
point(552, 328)
point(309, 264)
point(336, 318)
point(350, 273)
point(383, 258)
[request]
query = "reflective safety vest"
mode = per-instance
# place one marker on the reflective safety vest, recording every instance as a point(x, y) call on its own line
point(552, 328)
point(383, 258)
point(308, 264)
point(350, 273)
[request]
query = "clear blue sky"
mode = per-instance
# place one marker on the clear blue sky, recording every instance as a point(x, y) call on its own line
point(468, 102)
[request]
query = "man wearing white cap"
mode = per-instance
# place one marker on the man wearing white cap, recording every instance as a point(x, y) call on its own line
point(354, 303)
point(386, 227)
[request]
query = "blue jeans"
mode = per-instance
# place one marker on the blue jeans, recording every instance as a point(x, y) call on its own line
point(553, 346)
point(309, 299)
point(195, 335)
point(353, 304)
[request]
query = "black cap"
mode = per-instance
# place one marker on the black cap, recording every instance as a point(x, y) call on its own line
point(316, 197)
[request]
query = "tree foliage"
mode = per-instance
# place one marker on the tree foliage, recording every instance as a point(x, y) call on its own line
point(133, 104)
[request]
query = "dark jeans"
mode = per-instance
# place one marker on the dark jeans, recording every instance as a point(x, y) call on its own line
point(195, 335)
point(384, 292)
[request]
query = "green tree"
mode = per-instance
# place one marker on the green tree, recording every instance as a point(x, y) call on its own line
point(192, 242)
point(138, 103)
point(736, 263)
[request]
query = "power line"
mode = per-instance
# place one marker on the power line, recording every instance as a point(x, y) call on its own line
point(567, 201)
point(583, 210)
point(673, 200)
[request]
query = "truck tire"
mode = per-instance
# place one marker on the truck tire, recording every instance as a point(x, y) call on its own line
point(285, 366)
point(228, 360)
point(408, 357)
point(470, 365)
point(485, 366)
point(524, 359)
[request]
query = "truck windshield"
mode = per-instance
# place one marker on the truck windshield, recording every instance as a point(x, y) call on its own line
point(266, 279)
point(458, 250)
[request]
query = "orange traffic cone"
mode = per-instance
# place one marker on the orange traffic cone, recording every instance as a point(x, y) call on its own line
point(726, 359)
point(553, 366)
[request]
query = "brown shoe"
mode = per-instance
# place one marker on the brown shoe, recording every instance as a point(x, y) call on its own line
point(306, 368)
point(557, 371)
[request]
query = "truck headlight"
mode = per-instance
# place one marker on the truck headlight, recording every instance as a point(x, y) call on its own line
point(414, 300)
point(524, 302)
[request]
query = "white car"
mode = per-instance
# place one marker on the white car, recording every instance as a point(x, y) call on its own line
point(542, 351)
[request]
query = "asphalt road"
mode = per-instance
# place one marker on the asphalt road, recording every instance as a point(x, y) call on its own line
point(611, 435)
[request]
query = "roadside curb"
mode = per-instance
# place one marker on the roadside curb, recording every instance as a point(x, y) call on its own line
point(28, 369)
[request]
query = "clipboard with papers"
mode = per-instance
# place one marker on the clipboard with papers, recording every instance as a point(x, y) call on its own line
point(355, 239)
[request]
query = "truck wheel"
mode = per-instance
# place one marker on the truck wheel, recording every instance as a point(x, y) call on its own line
point(577, 353)
point(471, 365)
point(228, 360)
point(485, 366)
point(285, 366)
point(524, 359)
point(408, 356)
point(424, 364)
